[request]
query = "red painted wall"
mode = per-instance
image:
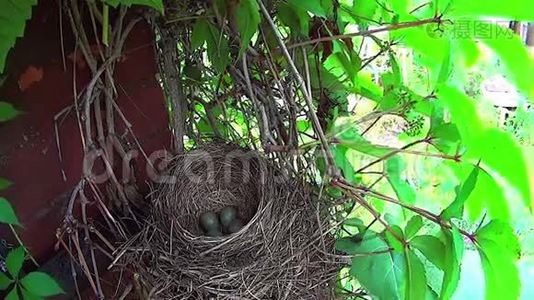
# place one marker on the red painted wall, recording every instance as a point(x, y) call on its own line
point(28, 152)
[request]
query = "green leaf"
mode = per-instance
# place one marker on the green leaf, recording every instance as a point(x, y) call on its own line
point(454, 248)
point(398, 6)
point(218, 49)
point(393, 240)
point(41, 284)
point(394, 168)
point(344, 64)
point(432, 248)
point(247, 19)
point(489, 145)
point(510, 173)
point(390, 82)
point(468, 50)
point(416, 277)
point(499, 250)
point(13, 295)
point(462, 108)
point(4, 183)
point(348, 244)
point(14, 261)
point(340, 158)
point(155, 4)
point(7, 214)
point(200, 33)
point(446, 138)
point(13, 17)
point(294, 17)
point(520, 10)
point(395, 69)
point(487, 197)
point(7, 111)
point(430, 50)
point(5, 281)
point(413, 226)
point(354, 222)
point(313, 6)
point(368, 88)
point(365, 10)
point(456, 208)
point(346, 134)
point(381, 274)
point(446, 66)
point(29, 296)
point(502, 233)
point(328, 7)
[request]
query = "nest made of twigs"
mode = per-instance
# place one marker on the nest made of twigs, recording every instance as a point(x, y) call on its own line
point(282, 252)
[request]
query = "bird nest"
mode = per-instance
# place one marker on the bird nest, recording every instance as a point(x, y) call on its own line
point(283, 251)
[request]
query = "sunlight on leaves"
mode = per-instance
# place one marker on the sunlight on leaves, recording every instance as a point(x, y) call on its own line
point(499, 250)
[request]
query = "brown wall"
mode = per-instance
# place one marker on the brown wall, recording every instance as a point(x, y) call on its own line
point(28, 152)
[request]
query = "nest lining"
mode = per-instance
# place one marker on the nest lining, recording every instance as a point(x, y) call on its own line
point(282, 252)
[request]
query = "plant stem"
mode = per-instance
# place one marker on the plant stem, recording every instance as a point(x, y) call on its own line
point(392, 153)
point(368, 32)
point(354, 191)
point(105, 25)
point(22, 245)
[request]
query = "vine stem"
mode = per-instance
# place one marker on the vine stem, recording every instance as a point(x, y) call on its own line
point(392, 153)
point(376, 215)
point(22, 245)
point(307, 96)
point(436, 19)
point(354, 191)
point(436, 155)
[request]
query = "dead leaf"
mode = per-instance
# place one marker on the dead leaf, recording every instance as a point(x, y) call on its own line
point(29, 77)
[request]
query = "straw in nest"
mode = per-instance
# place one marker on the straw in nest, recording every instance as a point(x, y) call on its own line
point(282, 252)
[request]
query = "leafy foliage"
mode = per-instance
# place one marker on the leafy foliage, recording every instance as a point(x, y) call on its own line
point(7, 111)
point(454, 249)
point(14, 261)
point(248, 19)
point(41, 284)
point(7, 214)
point(13, 17)
point(499, 250)
point(4, 183)
point(34, 285)
point(378, 269)
point(456, 209)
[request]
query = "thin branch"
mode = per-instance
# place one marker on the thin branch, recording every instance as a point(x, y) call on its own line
point(304, 90)
point(355, 191)
point(22, 245)
point(392, 153)
point(437, 20)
